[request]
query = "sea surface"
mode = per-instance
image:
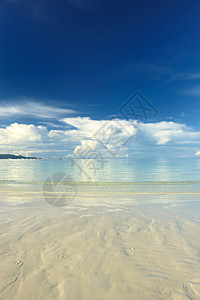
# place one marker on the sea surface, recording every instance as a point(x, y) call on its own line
point(114, 170)
point(140, 182)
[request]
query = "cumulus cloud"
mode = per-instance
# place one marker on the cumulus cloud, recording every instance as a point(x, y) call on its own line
point(86, 127)
point(159, 133)
point(107, 136)
point(30, 139)
point(19, 133)
point(164, 132)
point(85, 145)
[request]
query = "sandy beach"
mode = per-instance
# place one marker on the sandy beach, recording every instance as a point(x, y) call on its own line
point(95, 249)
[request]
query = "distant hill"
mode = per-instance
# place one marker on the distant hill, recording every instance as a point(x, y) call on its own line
point(11, 156)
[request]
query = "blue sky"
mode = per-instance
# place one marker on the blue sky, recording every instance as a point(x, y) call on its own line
point(68, 66)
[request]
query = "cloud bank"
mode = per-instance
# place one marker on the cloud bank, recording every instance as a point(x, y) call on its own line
point(114, 137)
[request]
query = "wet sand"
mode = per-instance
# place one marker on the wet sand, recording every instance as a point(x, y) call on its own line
point(115, 244)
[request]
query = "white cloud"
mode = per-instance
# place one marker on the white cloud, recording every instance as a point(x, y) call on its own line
point(20, 133)
point(108, 136)
point(28, 108)
point(164, 132)
point(84, 147)
point(87, 127)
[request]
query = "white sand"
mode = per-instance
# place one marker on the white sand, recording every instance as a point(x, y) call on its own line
point(92, 252)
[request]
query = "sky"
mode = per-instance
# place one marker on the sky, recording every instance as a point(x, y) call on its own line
point(100, 77)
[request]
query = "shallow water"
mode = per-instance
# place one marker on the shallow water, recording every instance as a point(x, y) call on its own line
point(130, 232)
point(136, 182)
point(115, 170)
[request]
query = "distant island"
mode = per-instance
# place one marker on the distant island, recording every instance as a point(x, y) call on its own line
point(12, 156)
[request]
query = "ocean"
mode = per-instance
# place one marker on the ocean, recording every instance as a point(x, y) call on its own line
point(130, 182)
point(113, 170)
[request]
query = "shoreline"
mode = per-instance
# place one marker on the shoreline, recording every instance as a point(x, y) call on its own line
point(109, 243)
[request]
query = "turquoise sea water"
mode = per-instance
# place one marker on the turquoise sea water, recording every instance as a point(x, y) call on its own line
point(115, 170)
point(116, 182)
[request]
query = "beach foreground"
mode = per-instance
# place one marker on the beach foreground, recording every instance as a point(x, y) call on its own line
point(93, 249)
